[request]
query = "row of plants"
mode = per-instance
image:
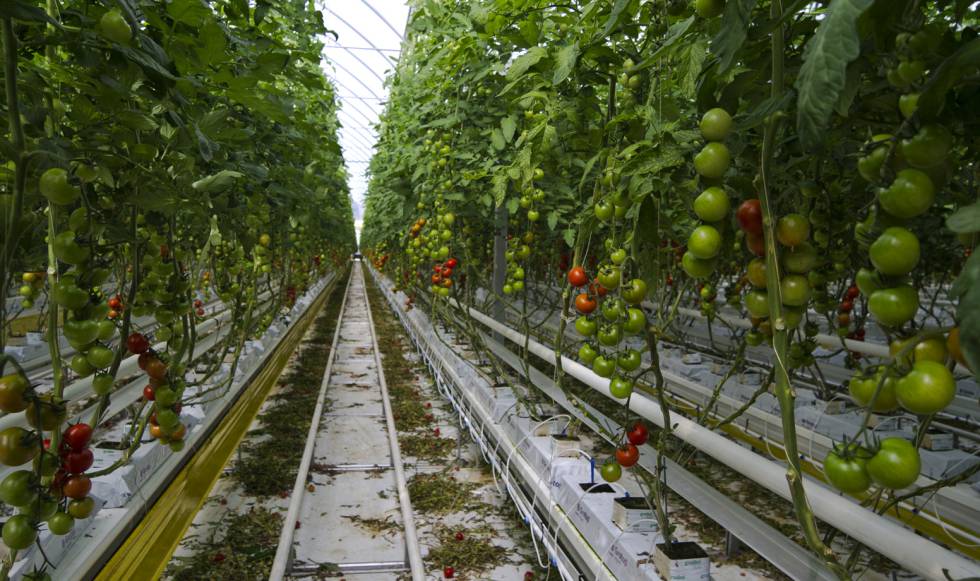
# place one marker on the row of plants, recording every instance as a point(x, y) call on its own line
point(810, 166)
point(158, 157)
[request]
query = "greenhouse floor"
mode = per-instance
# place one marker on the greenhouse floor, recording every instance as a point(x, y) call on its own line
point(349, 517)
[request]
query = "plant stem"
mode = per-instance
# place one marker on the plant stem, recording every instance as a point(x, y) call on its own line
point(780, 339)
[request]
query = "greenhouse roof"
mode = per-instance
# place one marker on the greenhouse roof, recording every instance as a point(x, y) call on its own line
point(369, 36)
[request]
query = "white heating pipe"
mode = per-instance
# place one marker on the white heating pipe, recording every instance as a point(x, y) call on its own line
point(882, 535)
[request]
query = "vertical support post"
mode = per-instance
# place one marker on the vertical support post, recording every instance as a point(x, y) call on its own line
point(499, 264)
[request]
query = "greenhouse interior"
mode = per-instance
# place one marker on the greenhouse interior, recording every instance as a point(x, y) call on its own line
point(530, 290)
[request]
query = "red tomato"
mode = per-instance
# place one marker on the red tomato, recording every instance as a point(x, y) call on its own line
point(627, 455)
point(584, 303)
point(156, 369)
point(77, 486)
point(749, 216)
point(78, 461)
point(78, 436)
point(137, 343)
point(149, 394)
point(577, 277)
point(451, 263)
point(756, 243)
point(638, 435)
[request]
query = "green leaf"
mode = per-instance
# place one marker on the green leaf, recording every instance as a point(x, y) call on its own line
point(219, 181)
point(966, 220)
point(552, 220)
point(823, 75)
point(499, 187)
point(674, 33)
point(211, 49)
point(508, 125)
point(190, 12)
point(565, 62)
point(527, 60)
point(731, 36)
point(945, 78)
point(967, 287)
point(614, 16)
point(497, 139)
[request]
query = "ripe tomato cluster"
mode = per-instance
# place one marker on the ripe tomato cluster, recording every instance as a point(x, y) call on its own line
point(164, 388)
point(627, 454)
point(442, 277)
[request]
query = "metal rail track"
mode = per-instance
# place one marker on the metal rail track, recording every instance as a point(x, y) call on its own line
point(350, 456)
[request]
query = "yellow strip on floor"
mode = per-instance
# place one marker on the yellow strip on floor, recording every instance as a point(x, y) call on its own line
point(147, 551)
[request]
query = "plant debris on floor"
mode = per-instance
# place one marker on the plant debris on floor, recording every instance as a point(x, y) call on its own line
point(243, 544)
point(241, 547)
point(451, 513)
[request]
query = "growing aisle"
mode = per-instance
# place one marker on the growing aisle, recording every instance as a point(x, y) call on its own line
point(349, 519)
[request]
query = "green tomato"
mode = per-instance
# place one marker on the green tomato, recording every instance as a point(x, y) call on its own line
point(620, 387)
point(716, 124)
point(927, 389)
point(908, 104)
point(798, 260)
point(618, 257)
point(929, 147)
point(99, 357)
point(55, 187)
point(612, 309)
point(795, 290)
point(107, 329)
point(585, 326)
point(910, 195)
point(610, 335)
point(708, 9)
point(81, 366)
point(114, 27)
point(630, 360)
point(636, 321)
point(713, 160)
point(81, 508)
point(754, 338)
point(19, 533)
point(587, 353)
point(847, 470)
point(869, 166)
point(18, 488)
point(67, 250)
point(609, 277)
point(756, 273)
point(704, 242)
point(895, 252)
point(604, 210)
point(792, 230)
point(893, 307)
point(66, 294)
point(102, 384)
point(792, 316)
point(862, 389)
point(635, 291)
point(712, 204)
point(696, 267)
point(42, 509)
point(757, 304)
point(867, 281)
point(61, 523)
point(611, 471)
point(895, 465)
point(603, 367)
